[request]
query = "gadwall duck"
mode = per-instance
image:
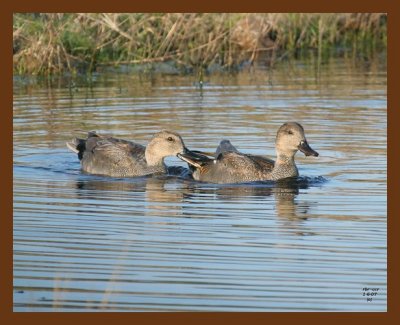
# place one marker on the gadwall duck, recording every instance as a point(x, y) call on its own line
point(104, 155)
point(231, 166)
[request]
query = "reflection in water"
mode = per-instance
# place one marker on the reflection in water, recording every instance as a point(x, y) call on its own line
point(164, 196)
point(291, 211)
point(160, 198)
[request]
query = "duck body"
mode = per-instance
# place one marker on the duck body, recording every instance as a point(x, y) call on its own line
point(236, 167)
point(109, 156)
point(231, 166)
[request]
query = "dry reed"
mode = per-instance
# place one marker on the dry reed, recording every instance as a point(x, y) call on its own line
point(57, 43)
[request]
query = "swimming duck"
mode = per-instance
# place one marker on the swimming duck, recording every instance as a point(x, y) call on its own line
point(231, 166)
point(105, 155)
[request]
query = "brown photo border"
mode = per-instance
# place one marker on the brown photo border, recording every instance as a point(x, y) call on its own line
point(7, 315)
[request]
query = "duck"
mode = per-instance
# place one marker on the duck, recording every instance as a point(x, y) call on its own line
point(231, 166)
point(109, 156)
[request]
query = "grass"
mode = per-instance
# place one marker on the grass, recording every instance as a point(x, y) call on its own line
point(56, 43)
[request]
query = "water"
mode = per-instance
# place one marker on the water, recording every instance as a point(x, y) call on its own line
point(85, 242)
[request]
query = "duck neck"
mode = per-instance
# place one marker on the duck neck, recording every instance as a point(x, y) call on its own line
point(284, 159)
point(285, 166)
point(153, 158)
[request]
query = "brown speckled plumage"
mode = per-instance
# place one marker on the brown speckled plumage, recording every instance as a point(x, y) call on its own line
point(114, 157)
point(231, 166)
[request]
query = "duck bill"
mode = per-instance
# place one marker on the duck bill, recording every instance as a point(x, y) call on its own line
point(193, 158)
point(306, 149)
point(191, 154)
point(203, 153)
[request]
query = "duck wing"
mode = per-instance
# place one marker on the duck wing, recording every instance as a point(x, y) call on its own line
point(263, 162)
point(239, 167)
point(245, 161)
point(115, 150)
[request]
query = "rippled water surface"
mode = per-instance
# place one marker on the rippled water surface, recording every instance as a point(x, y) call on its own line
point(85, 242)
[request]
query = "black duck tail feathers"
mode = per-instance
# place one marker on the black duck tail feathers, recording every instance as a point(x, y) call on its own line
point(78, 146)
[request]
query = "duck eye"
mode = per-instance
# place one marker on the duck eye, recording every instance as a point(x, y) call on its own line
point(290, 132)
point(170, 139)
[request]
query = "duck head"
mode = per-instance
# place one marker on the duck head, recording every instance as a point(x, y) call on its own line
point(163, 144)
point(291, 138)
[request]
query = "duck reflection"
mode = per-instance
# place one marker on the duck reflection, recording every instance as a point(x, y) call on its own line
point(291, 213)
point(169, 196)
point(152, 195)
point(284, 192)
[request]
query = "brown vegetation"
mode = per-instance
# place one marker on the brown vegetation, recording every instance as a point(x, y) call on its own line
point(58, 43)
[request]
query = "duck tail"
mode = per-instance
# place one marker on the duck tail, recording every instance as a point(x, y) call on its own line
point(78, 146)
point(72, 145)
